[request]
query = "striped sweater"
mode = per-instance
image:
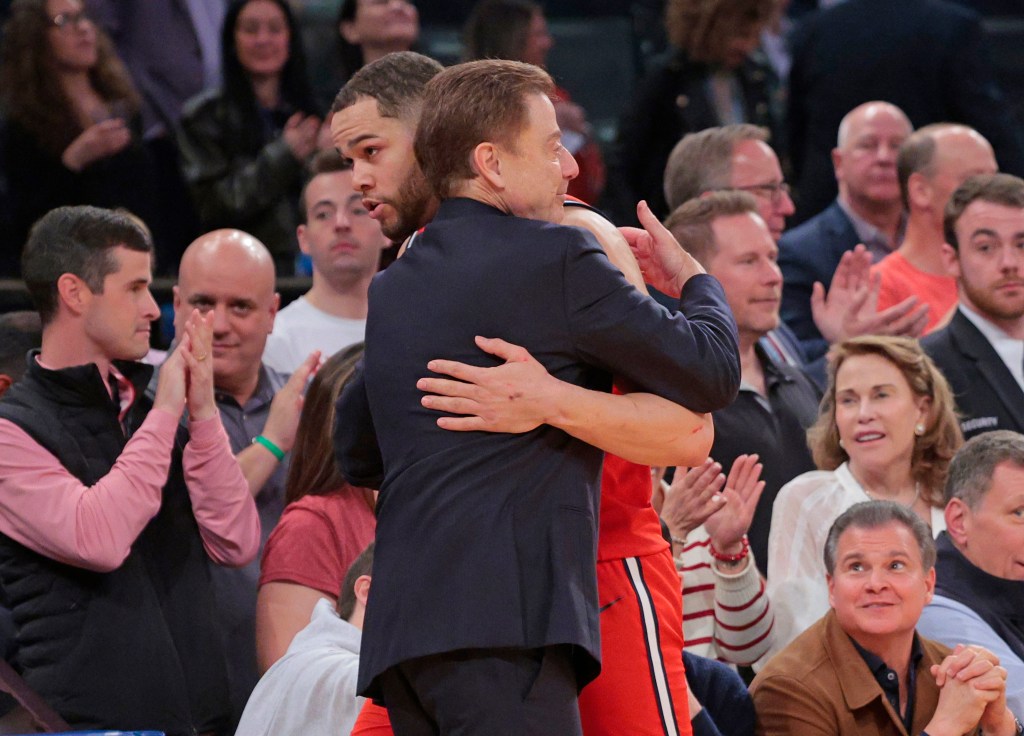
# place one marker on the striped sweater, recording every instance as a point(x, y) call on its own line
point(725, 616)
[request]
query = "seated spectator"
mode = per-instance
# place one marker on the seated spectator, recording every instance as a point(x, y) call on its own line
point(712, 75)
point(344, 245)
point(862, 669)
point(980, 350)
point(933, 162)
point(71, 134)
point(887, 431)
point(517, 30)
point(243, 146)
point(868, 210)
point(311, 690)
point(323, 527)
point(727, 613)
point(979, 590)
point(20, 332)
point(739, 157)
point(229, 275)
point(109, 508)
point(724, 233)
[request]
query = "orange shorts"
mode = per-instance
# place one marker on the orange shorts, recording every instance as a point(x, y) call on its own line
point(642, 686)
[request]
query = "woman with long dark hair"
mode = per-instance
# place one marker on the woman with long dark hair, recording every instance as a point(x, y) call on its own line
point(325, 526)
point(71, 113)
point(243, 146)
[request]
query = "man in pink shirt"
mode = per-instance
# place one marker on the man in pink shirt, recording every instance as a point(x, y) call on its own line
point(107, 509)
point(932, 162)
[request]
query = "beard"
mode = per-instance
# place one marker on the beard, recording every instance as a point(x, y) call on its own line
point(414, 205)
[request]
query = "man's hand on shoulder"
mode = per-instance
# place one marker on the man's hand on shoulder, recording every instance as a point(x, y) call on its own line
point(515, 397)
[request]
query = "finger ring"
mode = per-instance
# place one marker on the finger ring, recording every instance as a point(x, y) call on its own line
point(201, 357)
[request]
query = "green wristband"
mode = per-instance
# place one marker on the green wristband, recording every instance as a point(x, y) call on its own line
point(271, 447)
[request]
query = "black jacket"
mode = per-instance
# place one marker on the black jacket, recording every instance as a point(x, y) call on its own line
point(134, 648)
point(239, 180)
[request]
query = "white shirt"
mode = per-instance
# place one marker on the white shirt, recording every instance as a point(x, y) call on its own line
point(311, 690)
point(803, 512)
point(1008, 348)
point(300, 328)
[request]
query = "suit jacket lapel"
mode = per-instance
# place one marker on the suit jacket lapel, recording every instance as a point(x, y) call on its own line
point(974, 345)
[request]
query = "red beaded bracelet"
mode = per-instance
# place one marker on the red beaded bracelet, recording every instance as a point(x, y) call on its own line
point(730, 558)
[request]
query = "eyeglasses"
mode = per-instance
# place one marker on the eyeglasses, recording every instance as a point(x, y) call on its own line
point(65, 21)
point(773, 191)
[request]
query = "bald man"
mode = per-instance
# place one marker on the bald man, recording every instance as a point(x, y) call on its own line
point(868, 210)
point(230, 274)
point(932, 163)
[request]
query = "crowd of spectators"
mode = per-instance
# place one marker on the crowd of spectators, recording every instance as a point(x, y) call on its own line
point(832, 165)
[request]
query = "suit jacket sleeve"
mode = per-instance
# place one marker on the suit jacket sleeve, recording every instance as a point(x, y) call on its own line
point(690, 357)
point(355, 439)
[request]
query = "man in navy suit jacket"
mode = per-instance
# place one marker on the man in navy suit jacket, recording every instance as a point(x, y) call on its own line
point(868, 210)
point(981, 350)
point(487, 540)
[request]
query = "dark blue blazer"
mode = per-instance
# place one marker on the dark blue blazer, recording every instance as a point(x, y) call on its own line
point(488, 540)
point(928, 57)
point(987, 396)
point(810, 252)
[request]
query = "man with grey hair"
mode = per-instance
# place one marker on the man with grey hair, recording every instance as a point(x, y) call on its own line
point(932, 162)
point(738, 157)
point(862, 668)
point(979, 591)
point(868, 210)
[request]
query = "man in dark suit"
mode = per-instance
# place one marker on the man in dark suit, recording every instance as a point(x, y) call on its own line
point(868, 210)
point(926, 56)
point(981, 350)
point(500, 525)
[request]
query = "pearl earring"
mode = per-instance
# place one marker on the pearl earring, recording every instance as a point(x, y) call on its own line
point(842, 444)
point(919, 429)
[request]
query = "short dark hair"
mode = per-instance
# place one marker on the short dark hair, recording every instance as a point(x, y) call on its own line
point(691, 223)
point(871, 515)
point(468, 104)
point(78, 240)
point(702, 162)
point(1002, 189)
point(970, 473)
point(324, 161)
point(362, 565)
point(916, 156)
point(395, 81)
